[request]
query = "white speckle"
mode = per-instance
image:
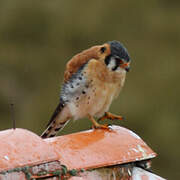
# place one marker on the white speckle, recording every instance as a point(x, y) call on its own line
point(115, 127)
point(124, 158)
point(135, 135)
point(142, 150)
point(6, 157)
point(134, 149)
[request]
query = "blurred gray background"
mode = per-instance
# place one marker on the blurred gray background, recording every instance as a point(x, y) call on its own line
point(37, 38)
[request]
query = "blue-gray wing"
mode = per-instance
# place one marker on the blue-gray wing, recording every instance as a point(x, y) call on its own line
point(75, 86)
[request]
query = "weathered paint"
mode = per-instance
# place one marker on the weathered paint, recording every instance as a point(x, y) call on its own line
point(13, 176)
point(21, 147)
point(46, 170)
point(100, 148)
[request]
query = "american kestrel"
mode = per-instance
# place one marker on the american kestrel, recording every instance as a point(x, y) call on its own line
point(92, 80)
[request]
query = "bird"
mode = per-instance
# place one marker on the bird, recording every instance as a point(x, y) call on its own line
point(92, 80)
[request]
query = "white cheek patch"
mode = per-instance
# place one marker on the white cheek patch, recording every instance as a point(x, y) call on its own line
point(111, 64)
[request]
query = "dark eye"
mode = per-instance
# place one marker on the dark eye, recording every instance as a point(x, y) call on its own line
point(103, 49)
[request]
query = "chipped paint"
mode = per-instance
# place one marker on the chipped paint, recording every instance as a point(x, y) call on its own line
point(134, 149)
point(6, 157)
point(141, 149)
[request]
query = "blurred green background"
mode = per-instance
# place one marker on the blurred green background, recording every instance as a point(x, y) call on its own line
point(37, 38)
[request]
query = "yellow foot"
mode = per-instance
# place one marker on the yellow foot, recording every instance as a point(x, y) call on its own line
point(101, 126)
point(96, 125)
point(110, 116)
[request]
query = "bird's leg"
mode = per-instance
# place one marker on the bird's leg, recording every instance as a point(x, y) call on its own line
point(96, 125)
point(110, 116)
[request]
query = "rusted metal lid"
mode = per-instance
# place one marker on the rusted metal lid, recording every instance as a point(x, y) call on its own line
point(100, 148)
point(21, 147)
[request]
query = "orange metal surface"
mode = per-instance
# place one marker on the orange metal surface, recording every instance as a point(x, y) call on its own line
point(88, 150)
point(100, 148)
point(21, 147)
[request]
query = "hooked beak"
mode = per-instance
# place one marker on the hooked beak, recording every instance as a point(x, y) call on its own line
point(125, 66)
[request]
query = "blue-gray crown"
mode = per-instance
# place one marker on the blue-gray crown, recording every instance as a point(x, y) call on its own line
point(117, 49)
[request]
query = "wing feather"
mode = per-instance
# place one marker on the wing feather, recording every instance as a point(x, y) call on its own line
point(80, 59)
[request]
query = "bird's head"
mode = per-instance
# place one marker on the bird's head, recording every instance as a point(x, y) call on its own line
point(118, 58)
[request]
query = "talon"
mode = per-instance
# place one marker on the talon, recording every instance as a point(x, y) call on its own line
point(117, 118)
point(111, 116)
point(101, 126)
point(96, 125)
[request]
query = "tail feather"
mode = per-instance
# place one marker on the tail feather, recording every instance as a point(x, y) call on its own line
point(53, 129)
point(58, 120)
point(58, 109)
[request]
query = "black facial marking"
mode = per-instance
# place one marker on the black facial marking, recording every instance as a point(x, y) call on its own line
point(111, 58)
point(77, 84)
point(103, 49)
point(84, 92)
point(107, 60)
point(77, 98)
point(80, 78)
point(117, 65)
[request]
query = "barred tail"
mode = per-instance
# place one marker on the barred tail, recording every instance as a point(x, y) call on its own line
point(58, 120)
point(53, 129)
